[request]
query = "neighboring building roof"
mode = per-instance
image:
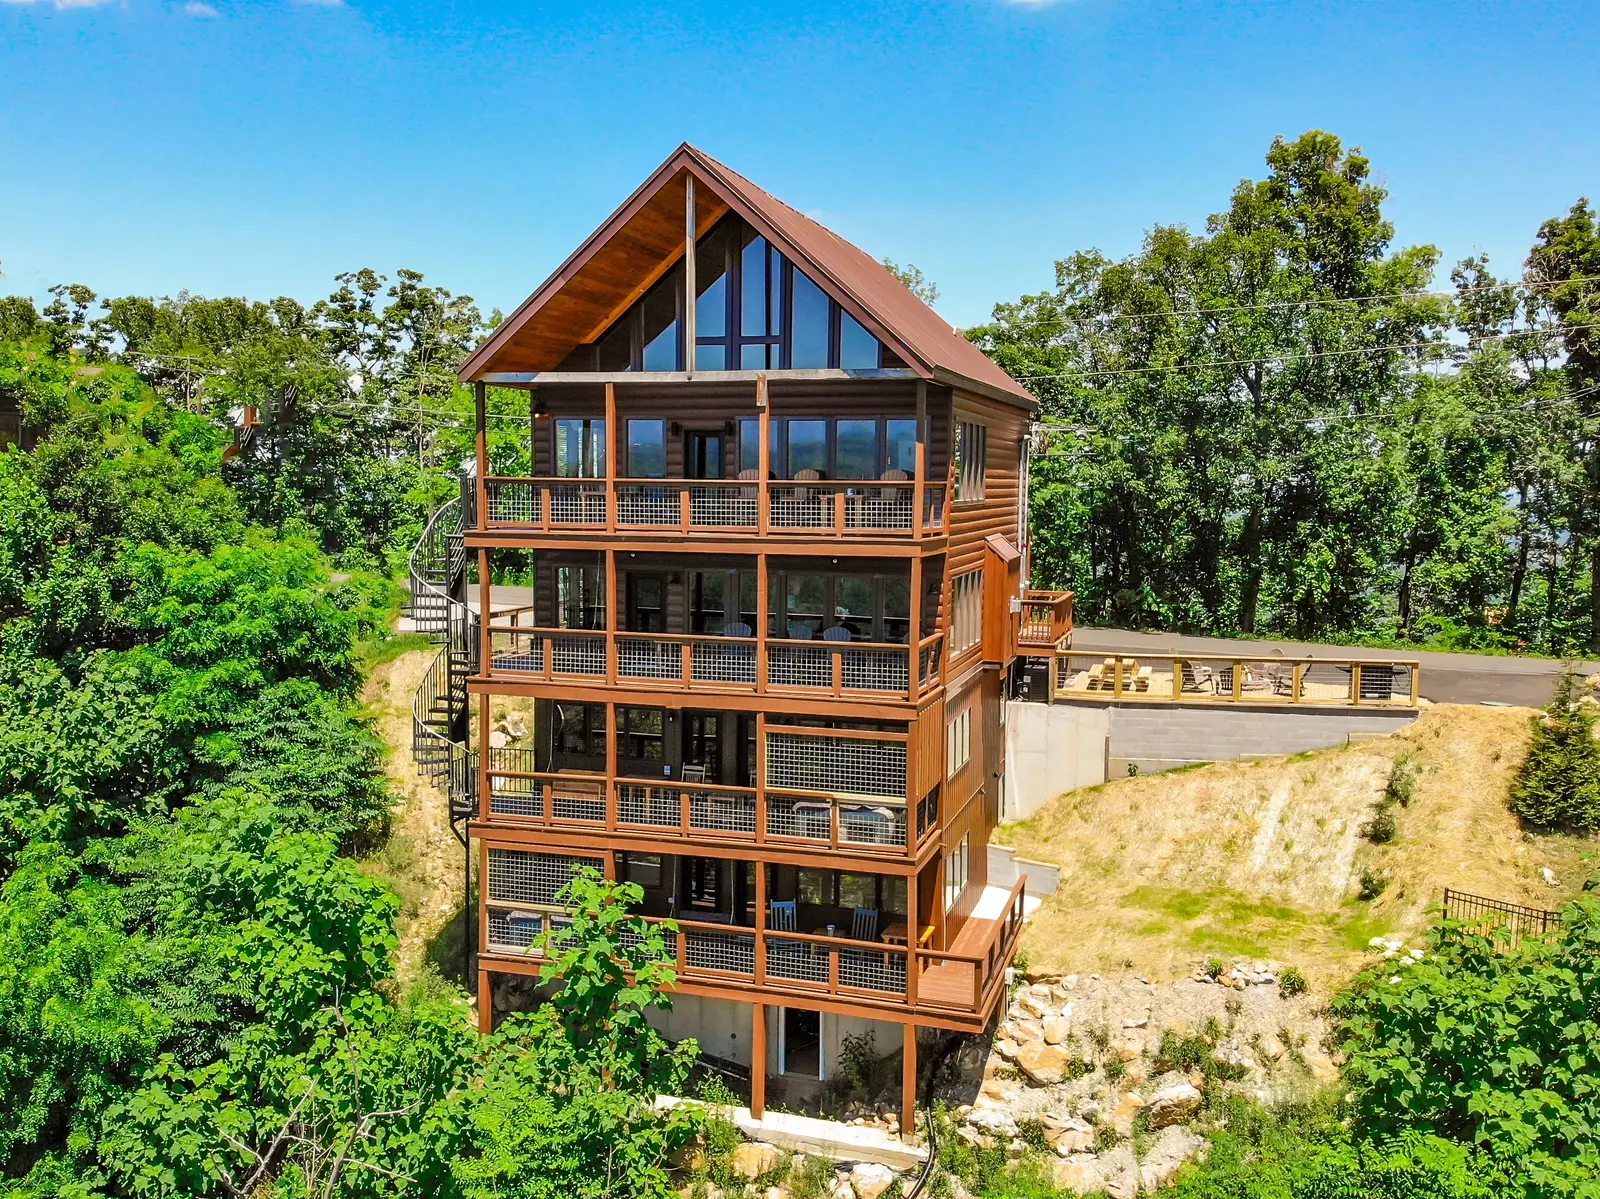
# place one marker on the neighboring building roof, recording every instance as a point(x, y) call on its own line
point(644, 237)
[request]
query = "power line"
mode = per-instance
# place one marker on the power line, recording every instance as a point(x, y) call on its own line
point(1110, 317)
point(1309, 354)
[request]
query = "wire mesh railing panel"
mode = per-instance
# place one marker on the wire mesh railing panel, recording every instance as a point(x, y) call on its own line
point(629, 939)
point(585, 655)
point(875, 669)
point(713, 949)
point(1385, 682)
point(517, 651)
point(808, 819)
point(1327, 682)
point(933, 507)
point(870, 970)
point(638, 658)
point(584, 801)
point(647, 504)
point(516, 796)
point(514, 501)
point(655, 807)
point(578, 503)
point(723, 507)
point(799, 664)
point(886, 507)
point(722, 812)
point(798, 961)
point(836, 764)
point(863, 825)
point(723, 661)
point(513, 931)
point(803, 507)
point(526, 876)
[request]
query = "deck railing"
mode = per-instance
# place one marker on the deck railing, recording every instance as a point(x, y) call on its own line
point(831, 507)
point(1209, 678)
point(651, 807)
point(965, 981)
point(1045, 620)
point(704, 661)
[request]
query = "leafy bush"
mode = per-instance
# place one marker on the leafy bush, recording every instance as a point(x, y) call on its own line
point(1291, 982)
point(1488, 1047)
point(1381, 828)
point(1558, 786)
point(1032, 1134)
point(1373, 882)
point(1402, 782)
point(1215, 967)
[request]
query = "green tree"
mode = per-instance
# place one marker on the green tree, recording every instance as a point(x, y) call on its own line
point(1558, 786)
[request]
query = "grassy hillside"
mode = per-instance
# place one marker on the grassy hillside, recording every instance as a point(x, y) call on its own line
point(1265, 858)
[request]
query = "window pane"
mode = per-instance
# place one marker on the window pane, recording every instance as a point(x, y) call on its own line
point(614, 350)
point(858, 891)
point(858, 349)
point(808, 340)
point(803, 601)
point(707, 603)
point(580, 448)
point(749, 443)
point(900, 437)
point(711, 358)
point(756, 319)
point(711, 282)
point(854, 599)
point(894, 894)
point(808, 446)
point(856, 449)
point(896, 609)
point(814, 887)
point(758, 358)
point(647, 449)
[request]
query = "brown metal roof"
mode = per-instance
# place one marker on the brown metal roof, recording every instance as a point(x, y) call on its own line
point(644, 237)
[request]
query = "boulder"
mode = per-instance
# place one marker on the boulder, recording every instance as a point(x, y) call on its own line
point(516, 724)
point(1080, 1173)
point(840, 1188)
point(1045, 1064)
point(1125, 1049)
point(1121, 1173)
point(1006, 1049)
point(777, 1193)
point(752, 1159)
point(1122, 1116)
point(869, 1179)
point(990, 1120)
point(1173, 1105)
point(1032, 1005)
point(1075, 1140)
point(1056, 1029)
point(1023, 1031)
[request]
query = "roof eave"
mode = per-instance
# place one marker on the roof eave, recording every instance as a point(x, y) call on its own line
point(990, 391)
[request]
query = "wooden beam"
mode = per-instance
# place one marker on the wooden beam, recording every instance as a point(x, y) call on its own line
point(908, 1080)
point(758, 1060)
point(688, 271)
point(813, 374)
point(485, 1002)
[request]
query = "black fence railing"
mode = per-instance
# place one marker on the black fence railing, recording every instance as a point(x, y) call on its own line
point(1501, 919)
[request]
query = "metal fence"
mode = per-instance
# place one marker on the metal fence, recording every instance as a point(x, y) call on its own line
point(1501, 919)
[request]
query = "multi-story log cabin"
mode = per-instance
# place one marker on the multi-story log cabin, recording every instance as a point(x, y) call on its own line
point(759, 585)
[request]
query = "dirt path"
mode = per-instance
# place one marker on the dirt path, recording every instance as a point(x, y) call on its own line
point(1264, 859)
point(423, 859)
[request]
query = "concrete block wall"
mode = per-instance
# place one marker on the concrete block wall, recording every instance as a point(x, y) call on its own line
point(1053, 748)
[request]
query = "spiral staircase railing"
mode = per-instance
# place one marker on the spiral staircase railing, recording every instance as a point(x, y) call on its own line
point(439, 709)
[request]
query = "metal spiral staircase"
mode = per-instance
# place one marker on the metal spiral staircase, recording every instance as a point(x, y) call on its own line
point(439, 710)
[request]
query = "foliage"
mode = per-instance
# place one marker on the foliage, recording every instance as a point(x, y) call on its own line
point(923, 288)
point(1291, 982)
point(1558, 785)
point(1372, 882)
point(1492, 1049)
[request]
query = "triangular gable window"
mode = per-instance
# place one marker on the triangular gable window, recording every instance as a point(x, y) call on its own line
point(755, 310)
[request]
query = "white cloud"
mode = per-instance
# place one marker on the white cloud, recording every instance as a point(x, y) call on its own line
point(195, 8)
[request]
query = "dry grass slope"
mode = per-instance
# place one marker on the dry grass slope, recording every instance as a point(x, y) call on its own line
point(1264, 859)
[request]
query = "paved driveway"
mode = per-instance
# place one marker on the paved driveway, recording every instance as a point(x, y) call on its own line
point(1446, 678)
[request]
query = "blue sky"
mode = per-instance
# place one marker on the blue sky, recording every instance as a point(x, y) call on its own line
point(259, 147)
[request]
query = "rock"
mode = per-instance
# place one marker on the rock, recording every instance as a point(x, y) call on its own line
point(1134, 1073)
point(1271, 1048)
point(516, 724)
point(1126, 1049)
point(992, 1087)
point(1165, 1155)
point(1075, 1140)
point(1006, 1049)
point(1173, 1105)
point(1023, 1031)
point(1122, 1117)
point(1081, 1173)
point(498, 739)
point(1549, 876)
point(1057, 1029)
point(752, 1159)
point(869, 1179)
point(1121, 1173)
point(990, 1120)
point(1089, 1110)
point(777, 1193)
point(1034, 1006)
point(1045, 1064)
point(840, 1188)
point(1062, 992)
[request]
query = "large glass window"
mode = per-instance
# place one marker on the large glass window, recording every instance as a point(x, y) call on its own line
point(855, 605)
point(581, 597)
point(749, 443)
point(639, 733)
point(711, 281)
point(808, 339)
point(858, 349)
point(900, 446)
point(580, 449)
point(660, 315)
point(647, 449)
point(856, 449)
point(580, 729)
point(804, 598)
point(808, 446)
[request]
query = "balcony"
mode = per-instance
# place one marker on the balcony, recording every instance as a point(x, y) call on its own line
point(683, 662)
point(1045, 621)
point(962, 981)
point(1214, 679)
point(820, 508)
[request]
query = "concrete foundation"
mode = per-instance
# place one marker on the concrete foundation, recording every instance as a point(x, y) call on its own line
point(1054, 748)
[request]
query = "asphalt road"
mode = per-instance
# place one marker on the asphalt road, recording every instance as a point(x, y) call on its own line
point(1446, 678)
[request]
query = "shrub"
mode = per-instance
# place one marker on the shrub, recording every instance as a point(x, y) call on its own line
point(1215, 967)
point(1291, 983)
point(1402, 781)
point(1115, 1069)
point(1033, 1135)
point(1558, 786)
point(1373, 882)
point(1106, 1137)
point(1382, 828)
point(1182, 1053)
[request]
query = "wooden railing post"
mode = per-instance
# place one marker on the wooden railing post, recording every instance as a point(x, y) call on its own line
point(919, 486)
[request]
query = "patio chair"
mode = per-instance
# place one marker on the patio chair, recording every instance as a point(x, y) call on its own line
point(737, 629)
point(799, 632)
point(694, 774)
point(837, 632)
point(1197, 678)
point(864, 924)
point(782, 915)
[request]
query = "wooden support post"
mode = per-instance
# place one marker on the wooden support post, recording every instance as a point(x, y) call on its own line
point(762, 619)
point(758, 1060)
point(485, 1002)
point(908, 1084)
point(919, 487)
point(761, 930)
point(611, 618)
point(914, 634)
point(480, 406)
point(611, 750)
point(761, 777)
point(689, 291)
point(611, 457)
point(913, 939)
point(763, 455)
